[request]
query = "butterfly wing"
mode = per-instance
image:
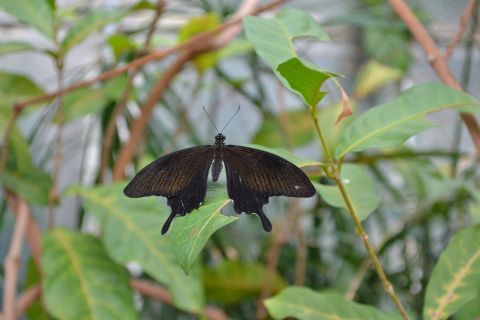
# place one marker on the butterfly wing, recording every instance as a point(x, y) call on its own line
point(254, 175)
point(180, 176)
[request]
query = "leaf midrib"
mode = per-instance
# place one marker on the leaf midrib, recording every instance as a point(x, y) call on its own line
point(78, 271)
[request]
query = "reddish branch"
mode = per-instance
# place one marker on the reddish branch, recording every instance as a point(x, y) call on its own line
point(436, 59)
point(157, 292)
point(469, 9)
point(13, 259)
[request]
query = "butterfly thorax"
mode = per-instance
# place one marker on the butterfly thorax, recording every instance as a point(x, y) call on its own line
point(217, 156)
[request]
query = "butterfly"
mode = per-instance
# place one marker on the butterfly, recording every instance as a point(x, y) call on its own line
point(252, 177)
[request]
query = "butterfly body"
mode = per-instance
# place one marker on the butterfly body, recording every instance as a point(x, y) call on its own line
point(252, 177)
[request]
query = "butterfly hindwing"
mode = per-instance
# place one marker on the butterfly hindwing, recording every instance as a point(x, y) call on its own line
point(180, 176)
point(254, 175)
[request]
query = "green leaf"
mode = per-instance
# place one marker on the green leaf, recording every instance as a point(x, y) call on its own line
point(299, 162)
point(359, 186)
point(191, 232)
point(297, 125)
point(7, 47)
point(121, 44)
point(304, 80)
point(388, 46)
point(89, 24)
point(233, 282)
point(272, 37)
point(80, 281)
point(33, 184)
point(35, 13)
point(306, 304)
point(92, 100)
point(131, 232)
point(455, 279)
point(374, 75)
point(392, 123)
point(16, 88)
point(470, 310)
point(195, 26)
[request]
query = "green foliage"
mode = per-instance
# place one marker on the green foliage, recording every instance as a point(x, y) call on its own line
point(7, 47)
point(92, 100)
point(273, 38)
point(374, 75)
point(306, 304)
point(16, 88)
point(359, 186)
point(392, 123)
point(195, 26)
point(88, 24)
point(80, 281)
point(131, 232)
point(456, 278)
point(36, 13)
point(191, 232)
point(232, 282)
point(291, 127)
point(305, 81)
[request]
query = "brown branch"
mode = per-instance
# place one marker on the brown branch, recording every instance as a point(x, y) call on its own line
point(13, 259)
point(121, 104)
point(467, 14)
point(26, 299)
point(141, 122)
point(436, 59)
point(157, 292)
point(193, 44)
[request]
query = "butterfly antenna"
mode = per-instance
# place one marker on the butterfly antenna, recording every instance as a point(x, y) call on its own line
point(210, 118)
point(231, 118)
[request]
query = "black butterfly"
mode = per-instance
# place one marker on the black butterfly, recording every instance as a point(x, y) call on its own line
point(252, 177)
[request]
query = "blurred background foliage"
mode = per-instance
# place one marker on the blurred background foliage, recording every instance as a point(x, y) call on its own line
point(428, 187)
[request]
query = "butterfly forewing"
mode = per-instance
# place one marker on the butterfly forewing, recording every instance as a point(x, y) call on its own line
point(180, 176)
point(268, 174)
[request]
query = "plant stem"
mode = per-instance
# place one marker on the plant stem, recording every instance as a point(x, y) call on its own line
point(373, 256)
point(326, 150)
point(335, 172)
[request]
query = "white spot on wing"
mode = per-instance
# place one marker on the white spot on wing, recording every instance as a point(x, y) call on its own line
point(297, 187)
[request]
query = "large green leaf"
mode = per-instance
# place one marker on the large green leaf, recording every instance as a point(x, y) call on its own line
point(233, 282)
point(89, 24)
point(191, 232)
point(7, 47)
point(272, 37)
point(32, 184)
point(36, 13)
point(306, 304)
point(304, 80)
point(470, 310)
point(80, 281)
point(359, 186)
point(392, 123)
point(297, 125)
point(131, 232)
point(456, 278)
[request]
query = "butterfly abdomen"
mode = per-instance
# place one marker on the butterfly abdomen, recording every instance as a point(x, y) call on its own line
point(216, 167)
